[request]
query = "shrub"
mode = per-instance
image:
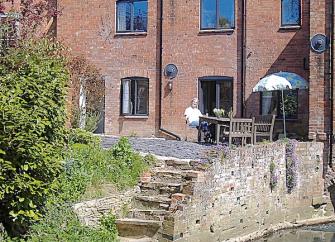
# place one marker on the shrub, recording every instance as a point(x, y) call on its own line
point(92, 120)
point(83, 137)
point(87, 166)
point(32, 129)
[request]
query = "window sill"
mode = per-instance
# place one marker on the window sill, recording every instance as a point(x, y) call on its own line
point(130, 34)
point(135, 117)
point(216, 31)
point(290, 27)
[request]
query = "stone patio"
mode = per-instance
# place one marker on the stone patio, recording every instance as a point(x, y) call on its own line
point(162, 147)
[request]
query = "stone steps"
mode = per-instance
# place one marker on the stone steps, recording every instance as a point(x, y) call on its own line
point(152, 202)
point(177, 176)
point(148, 214)
point(137, 228)
point(163, 190)
point(159, 188)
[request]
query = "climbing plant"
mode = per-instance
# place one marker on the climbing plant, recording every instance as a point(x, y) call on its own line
point(273, 175)
point(292, 162)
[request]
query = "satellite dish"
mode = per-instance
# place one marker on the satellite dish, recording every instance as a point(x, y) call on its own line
point(319, 43)
point(171, 71)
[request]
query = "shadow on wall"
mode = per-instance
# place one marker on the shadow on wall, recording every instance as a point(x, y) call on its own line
point(331, 191)
point(294, 58)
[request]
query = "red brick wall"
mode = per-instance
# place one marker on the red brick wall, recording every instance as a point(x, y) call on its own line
point(271, 49)
point(319, 82)
point(89, 29)
point(196, 54)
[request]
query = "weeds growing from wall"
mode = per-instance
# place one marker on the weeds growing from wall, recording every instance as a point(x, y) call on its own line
point(292, 163)
point(273, 175)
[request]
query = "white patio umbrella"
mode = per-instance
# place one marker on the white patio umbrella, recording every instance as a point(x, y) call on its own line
point(281, 81)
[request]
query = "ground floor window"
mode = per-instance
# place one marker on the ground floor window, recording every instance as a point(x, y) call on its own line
point(271, 103)
point(215, 92)
point(135, 96)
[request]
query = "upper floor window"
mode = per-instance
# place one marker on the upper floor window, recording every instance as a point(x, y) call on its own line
point(217, 14)
point(8, 30)
point(135, 96)
point(290, 12)
point(132, 15)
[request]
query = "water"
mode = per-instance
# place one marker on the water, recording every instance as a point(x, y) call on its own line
point(320, 233)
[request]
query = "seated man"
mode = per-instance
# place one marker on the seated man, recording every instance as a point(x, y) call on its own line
point(192, 114)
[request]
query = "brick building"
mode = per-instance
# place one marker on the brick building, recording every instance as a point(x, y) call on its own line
point(221, 48)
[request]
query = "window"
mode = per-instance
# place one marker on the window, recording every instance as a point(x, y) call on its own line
point(8, 30)
point(132, 15)
point(217, 14)
point(215, 92)
point(271, 103)
point(135, 96)
point(290, 12)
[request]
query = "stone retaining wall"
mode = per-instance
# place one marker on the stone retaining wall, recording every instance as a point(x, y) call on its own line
point(236, 198)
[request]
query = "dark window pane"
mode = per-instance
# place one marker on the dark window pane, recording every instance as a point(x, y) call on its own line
point(291, 104)
point(271, 103)
point(290, 12)
point(135, 96)
point(208, 14)
point(226, 14)
point(142, 97)
point(124, 16)
point(226, 96)
point(140, 15)
point(209, 97)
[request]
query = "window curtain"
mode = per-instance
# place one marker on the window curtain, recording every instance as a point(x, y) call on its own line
point(266, 102)
point(126, 105)
point(122, 16)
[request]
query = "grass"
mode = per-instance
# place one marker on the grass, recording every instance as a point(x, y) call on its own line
point(89, 172)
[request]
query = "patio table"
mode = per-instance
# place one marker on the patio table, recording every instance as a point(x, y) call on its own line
point(218, 123)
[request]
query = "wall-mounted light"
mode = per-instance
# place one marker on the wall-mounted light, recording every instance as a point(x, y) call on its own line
point(170, 81)
point(171, 72)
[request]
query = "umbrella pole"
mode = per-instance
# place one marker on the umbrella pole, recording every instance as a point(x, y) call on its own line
point(282, 100)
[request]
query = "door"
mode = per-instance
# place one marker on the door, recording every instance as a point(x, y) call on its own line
point(215, 92)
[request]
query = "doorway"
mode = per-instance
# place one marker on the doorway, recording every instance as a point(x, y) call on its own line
point(215, 92)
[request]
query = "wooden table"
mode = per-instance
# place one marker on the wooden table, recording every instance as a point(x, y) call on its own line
point(217, 122)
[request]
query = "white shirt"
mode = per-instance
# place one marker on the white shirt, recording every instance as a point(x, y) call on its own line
point(192, 116)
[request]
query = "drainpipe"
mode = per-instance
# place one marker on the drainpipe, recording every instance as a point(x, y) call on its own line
point(160, 29)
point(331, 54)
point(243, 56)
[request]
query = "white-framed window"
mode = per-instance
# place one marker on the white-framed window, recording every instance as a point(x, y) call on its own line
point(290, 13)
point(131, 16)
point(217, 14)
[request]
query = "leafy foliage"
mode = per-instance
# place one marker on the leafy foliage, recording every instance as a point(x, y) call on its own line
point(34, 16)
point(32, 120)
point(87, 166)
point(83, 137)
point(292, 163)
point(273, 175)
point(88, 76)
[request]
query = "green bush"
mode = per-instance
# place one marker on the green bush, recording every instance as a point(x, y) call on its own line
point(81, 136)
point(32, 130)
point(92, 120)
point(88, 168)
